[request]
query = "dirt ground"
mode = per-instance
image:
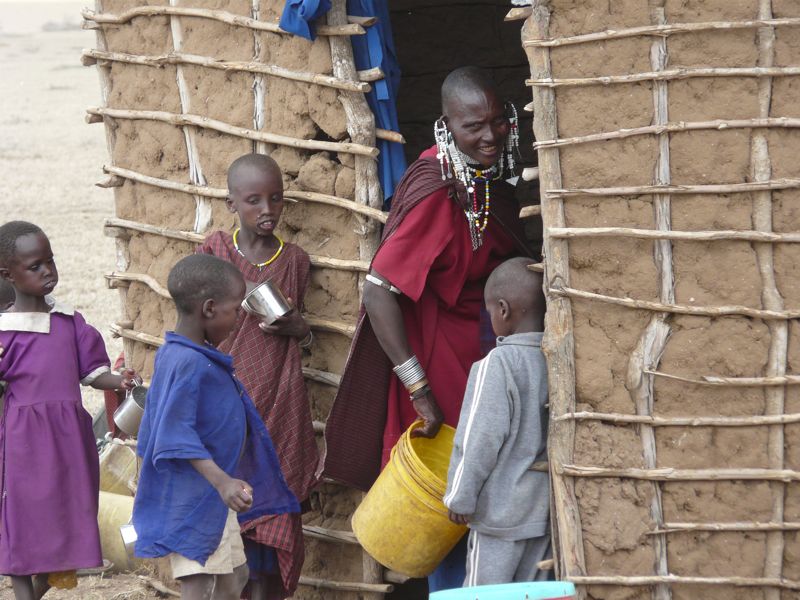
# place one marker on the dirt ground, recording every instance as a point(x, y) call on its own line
point(49, 161)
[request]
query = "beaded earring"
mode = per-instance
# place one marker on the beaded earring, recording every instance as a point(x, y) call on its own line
point(512, 141)
point(443, 139)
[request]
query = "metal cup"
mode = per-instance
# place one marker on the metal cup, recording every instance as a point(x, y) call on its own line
point(128, 416)
point(129, 538)
point(266, 301)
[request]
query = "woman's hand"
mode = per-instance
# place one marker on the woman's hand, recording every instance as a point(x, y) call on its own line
point(129, 379)
point(431, 415)
point(457, 518)
point(291, 324)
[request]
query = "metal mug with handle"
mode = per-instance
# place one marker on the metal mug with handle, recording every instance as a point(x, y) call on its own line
point(267, 301)
point(128, 416)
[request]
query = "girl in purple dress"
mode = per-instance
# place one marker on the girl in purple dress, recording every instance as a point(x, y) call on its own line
point(48, 458)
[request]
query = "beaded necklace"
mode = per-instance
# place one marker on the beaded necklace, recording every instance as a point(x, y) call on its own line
point(260, 266)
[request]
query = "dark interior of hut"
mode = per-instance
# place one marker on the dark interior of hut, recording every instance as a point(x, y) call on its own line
point(433, 37)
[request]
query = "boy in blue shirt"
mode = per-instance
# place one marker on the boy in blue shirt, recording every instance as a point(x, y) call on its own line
point(206, 453)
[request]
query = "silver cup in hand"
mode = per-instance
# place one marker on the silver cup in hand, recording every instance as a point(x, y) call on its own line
point(266, 301)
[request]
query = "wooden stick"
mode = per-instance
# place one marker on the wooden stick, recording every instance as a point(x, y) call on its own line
point(653, 421)
point(331, 326)
point(655, 234)
point(530, 174)
point(558, 343)
point(389, 136)
point(137, 336)
point(319, 427)
point(669, 474)
point(536, 267)
point(179, 58)
point(395, 577)
point(354, 28)
point(249, 134)
point(684, 309)
point(141, 278)
point(158, 586)
point(670, 75)
point(682, 527)
point(660, 30)
point(373, 74)
point(346, 586)
point(222, 194)
point(330, 535)
point(648, 580)
point(519, 13)
point(196, 238)
point(331, 379)
point(638, 190)
point(535, 210)
point(717, 124)
point(713, 380)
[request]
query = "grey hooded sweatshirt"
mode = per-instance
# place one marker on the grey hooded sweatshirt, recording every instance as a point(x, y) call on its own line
point(501, 432)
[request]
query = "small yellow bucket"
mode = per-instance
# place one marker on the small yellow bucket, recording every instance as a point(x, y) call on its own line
point(402, 522)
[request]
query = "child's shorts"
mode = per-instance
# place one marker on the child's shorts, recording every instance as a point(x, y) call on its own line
point(228, 555)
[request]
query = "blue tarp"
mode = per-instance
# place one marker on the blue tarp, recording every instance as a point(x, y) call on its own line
point(375, 49)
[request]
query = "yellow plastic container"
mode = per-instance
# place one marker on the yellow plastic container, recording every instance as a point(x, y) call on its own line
point(117, 469)
point(402, 522)
point(115, 511)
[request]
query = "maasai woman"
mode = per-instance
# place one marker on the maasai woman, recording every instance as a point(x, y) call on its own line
point(267, 361)
point(453, 220)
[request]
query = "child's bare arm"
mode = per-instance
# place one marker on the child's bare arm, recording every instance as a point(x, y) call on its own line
point(237, 494)
point(126, 380)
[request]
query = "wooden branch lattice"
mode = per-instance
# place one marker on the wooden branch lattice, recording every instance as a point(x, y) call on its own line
point(667, 75)
point(662, 30)
point(356, 27)
point(196, 238)
point(715, 380)
point(179, 58)
point(684, 309)
point(713, 188)
point(669, 474)
point(222, 194)
point(649, 580)
point(654, 421)
point(670, 527)
point(691, 236)
point(558, 343)
point(182, 120)
point(681, 126)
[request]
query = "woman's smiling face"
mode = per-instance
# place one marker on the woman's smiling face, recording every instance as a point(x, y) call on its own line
point(480, 127)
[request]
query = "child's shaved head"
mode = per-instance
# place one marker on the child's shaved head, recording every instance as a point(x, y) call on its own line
point(513, 282)
point(251, 162)
point(200, 277)
point(7, 295)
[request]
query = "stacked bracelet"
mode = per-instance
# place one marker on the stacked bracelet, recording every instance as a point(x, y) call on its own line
point(306, 342)
point(412, 376)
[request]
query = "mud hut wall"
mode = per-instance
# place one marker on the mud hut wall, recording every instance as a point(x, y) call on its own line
point(618, 516)
point(160, 219)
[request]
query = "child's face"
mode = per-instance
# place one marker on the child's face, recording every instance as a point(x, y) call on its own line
point(33, 269)
point(257, 197)
point(222, 320)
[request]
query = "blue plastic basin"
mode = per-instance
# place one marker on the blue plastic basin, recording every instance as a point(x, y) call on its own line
point(545, 590)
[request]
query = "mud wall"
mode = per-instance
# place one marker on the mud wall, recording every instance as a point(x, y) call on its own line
point(157, 221)
point(693, 532)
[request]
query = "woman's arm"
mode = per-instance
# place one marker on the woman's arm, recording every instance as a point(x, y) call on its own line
point(387, 323)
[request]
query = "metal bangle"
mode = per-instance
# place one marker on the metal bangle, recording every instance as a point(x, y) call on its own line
point(380, 283)
point(306, 342)
point(410, 372)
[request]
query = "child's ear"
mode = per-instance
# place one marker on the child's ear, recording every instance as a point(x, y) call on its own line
point(209, 308)
point(6, 274)
point(505, 309)
point(229, 204)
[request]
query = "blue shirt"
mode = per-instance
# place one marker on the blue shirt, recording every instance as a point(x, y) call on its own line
point(196, 409)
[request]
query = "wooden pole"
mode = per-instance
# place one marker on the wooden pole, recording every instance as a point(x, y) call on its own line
point(638, 190)
point(653, 421)
point(625, 580)
point(558, 344)
point(690, 236)
point(669, 474)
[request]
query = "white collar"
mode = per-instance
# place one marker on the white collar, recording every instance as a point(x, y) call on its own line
point(34, 322)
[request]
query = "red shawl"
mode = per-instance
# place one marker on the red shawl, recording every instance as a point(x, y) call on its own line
point(427, 253)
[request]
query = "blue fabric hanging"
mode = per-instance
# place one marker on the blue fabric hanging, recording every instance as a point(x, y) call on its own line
point(298, 15)
point(376, 49)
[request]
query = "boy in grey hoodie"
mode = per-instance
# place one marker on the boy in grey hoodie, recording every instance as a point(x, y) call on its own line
point(502, 432)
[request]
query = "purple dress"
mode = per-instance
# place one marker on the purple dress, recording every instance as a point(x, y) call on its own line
point(48, 457)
